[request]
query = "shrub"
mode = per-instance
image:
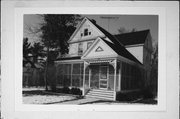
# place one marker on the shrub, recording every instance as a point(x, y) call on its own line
point(128, 96)
point(147, 93)
point(53, 87)
point(65, 90)
point(76, 91)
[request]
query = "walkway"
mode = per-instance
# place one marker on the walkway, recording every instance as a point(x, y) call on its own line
point(85, 101)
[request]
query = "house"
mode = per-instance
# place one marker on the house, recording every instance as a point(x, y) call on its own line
point(102, 64)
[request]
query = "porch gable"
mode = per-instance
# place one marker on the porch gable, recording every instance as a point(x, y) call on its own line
point(99, 49)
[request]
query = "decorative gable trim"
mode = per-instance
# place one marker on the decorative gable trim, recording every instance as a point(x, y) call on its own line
point(99, 49)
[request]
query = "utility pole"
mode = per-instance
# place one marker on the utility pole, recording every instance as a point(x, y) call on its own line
point(109, 18)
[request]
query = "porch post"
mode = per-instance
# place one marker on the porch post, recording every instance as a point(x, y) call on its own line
point(84, 76)
point(120, 70)
point(115, 68)
point(89, 78)
point(71, 73)
point(84, 79)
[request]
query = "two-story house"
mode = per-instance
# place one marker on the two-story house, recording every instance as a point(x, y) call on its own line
point(102, 64)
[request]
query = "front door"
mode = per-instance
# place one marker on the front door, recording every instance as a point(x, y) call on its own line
point(103, 79)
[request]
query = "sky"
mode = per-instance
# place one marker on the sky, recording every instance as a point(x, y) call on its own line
point(139, 22)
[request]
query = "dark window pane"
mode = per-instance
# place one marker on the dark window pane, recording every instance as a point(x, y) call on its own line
point(85, 32)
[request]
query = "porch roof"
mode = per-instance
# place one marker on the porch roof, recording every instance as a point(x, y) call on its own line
point(69, 58)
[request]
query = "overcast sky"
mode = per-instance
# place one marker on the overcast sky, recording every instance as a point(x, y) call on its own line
point(139, 22)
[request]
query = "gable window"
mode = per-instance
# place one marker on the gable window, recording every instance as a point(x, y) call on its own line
point(89, 44)
point(80, 49)
point(85, 32)
point(81, 34)
point(99, 49)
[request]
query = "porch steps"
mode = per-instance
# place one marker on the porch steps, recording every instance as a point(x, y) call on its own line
point(101, 94)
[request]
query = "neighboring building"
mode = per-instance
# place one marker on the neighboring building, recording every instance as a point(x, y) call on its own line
point(101, 64)
point(32, 74)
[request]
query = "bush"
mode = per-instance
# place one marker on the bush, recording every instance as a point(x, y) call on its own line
point(65, 90)
point(53, 87)
point(147, 93)
point(128, 96)
point(76, 91)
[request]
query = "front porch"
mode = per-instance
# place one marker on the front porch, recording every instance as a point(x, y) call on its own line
point(101, 78)
point(102, 75)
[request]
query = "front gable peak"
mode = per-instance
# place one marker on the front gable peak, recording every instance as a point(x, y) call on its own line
point(99, 49)
point(85, 30)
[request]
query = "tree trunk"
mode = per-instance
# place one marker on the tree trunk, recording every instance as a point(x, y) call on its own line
point(46, 69)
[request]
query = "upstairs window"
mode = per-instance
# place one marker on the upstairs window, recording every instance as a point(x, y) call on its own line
point(85, 32)
point(81, 34)
point(80, 49)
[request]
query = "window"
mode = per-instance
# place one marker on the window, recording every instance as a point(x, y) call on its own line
point(85, 32)
point(99, 49)
point(81, 34)
point(89, 44)
point(80, 49)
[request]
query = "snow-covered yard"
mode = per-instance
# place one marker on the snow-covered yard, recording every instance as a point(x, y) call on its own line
point(42, 97)
point(34, 96)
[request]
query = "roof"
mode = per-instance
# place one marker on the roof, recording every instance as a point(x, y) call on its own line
point(69, 58)
point(106, 33)
point(119, 42)
point(120, 50)
point(133, 38)
point(117, 46)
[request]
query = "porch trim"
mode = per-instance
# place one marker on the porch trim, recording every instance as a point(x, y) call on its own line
point(69, 61)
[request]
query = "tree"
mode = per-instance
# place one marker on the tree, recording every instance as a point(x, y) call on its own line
point(56, 30)
point(154, 70)
point(122, 30)
point(26, 47)
point(37, 51)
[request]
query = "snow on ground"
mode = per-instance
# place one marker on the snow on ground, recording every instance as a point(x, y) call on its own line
point(34, 96)
point(46, 99)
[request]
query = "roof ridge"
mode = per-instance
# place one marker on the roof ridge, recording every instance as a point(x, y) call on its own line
point(132, 32)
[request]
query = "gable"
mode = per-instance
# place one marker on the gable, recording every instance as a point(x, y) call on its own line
point(137, 52)
point(100, 49)
point(85, 31)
